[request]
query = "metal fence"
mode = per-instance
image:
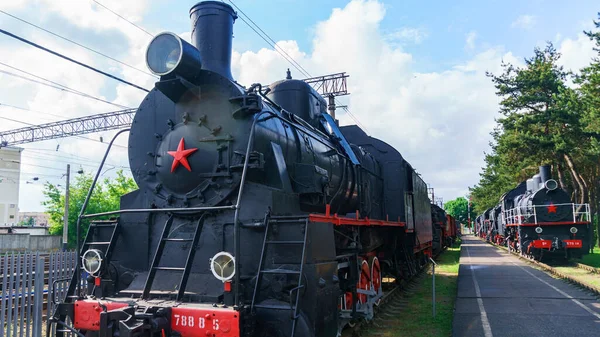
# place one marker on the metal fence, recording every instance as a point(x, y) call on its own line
point(580, 212)
point(30, 282)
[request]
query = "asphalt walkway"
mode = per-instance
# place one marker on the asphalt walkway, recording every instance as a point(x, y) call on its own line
point(500, 295)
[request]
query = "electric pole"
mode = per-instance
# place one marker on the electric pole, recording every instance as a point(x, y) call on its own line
point(469, 215)
point(66, 215)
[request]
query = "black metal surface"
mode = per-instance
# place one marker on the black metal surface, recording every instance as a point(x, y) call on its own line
point(157, 257)
point(250, 152)
point(212, 32)
point(536, 207)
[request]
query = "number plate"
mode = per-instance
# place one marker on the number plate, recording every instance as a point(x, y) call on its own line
point(192, 322)
point(573, 243)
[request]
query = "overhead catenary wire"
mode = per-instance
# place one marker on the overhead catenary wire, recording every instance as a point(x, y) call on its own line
point(74, 162)
point(78, 44)
point(286, 56)
point(56, 85)
point(52, 153)
point(25, 109)
point(117, 14)
point(34, 165)
point(272, 43)
point(68, 156)
point(33, 44)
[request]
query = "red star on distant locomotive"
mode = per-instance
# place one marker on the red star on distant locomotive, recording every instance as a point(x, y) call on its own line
point(180, 156)
point(551, 208)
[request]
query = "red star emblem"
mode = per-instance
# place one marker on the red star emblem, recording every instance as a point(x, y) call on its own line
point(551, 208)
point(180, 156)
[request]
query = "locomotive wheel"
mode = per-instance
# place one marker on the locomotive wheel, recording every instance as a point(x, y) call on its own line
point(364, 282)
point(375, 276)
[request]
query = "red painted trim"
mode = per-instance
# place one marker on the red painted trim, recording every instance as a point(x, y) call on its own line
point(549, 224)
point(87, 313)
point(217, 322)
point(569, 244)
point(345, 221)
point(542, 244)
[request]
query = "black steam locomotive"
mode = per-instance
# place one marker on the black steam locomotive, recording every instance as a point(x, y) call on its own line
point(537, 218)
point(256, 215)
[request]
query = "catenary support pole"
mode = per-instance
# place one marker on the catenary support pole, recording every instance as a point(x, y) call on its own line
point(433, 286)
point(66, 215)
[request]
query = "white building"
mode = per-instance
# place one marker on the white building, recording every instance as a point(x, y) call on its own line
point(10, 172)
point(40, 219)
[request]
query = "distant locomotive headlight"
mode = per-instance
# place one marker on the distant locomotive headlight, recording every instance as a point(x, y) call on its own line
point(222, 266)
point(92, 261)
point(573, 230)
point(539, 230)
point(167, 53)
point(551, 184)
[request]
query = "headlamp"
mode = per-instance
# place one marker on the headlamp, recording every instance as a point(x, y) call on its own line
point(91, 261)
point(539, 230)
point(167, 53)
point(222, 266)
point(573, 230)
point(551, 184)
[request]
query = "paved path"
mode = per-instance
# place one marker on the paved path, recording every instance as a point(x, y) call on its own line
point(499, 295)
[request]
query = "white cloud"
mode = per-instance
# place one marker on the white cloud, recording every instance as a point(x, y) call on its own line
point(408, 35)
point(51, 104)
point(576, 53)
point(470, 40)
point(524, 22)
point(439, 121)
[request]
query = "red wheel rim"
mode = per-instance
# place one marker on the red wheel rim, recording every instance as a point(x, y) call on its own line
point(376, 274)
point(364, 281)
point(348, 301)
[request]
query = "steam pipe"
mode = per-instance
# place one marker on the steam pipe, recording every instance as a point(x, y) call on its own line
point(84, 207)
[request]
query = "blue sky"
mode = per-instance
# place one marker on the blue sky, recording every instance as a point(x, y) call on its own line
point(445, 24)
point(417, 68)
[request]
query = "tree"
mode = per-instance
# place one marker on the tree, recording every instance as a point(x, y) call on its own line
point(29, 221)
point(589, 89)
point(459, 209)
point(545, 121)
point(105, 198)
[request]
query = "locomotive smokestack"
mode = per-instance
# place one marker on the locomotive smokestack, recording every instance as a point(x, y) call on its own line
point(212, 33)
point(545, 173)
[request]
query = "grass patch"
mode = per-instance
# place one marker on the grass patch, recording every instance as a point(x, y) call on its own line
point(417, 319)
point(591, 260)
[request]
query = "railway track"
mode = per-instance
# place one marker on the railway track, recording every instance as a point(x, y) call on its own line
point(391, 306)
point(561, 274)
point(588, 268)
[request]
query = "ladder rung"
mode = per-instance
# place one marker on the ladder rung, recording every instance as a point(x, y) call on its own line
point(274, 306)
point(177, 240)
point(103, 225)
point(280, 271)
point(286, 242)
point(287, 221)
point(169, 268)
point(98, 243)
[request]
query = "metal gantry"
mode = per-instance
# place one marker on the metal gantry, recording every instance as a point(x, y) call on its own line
point(67, 128)
point(329, 86)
